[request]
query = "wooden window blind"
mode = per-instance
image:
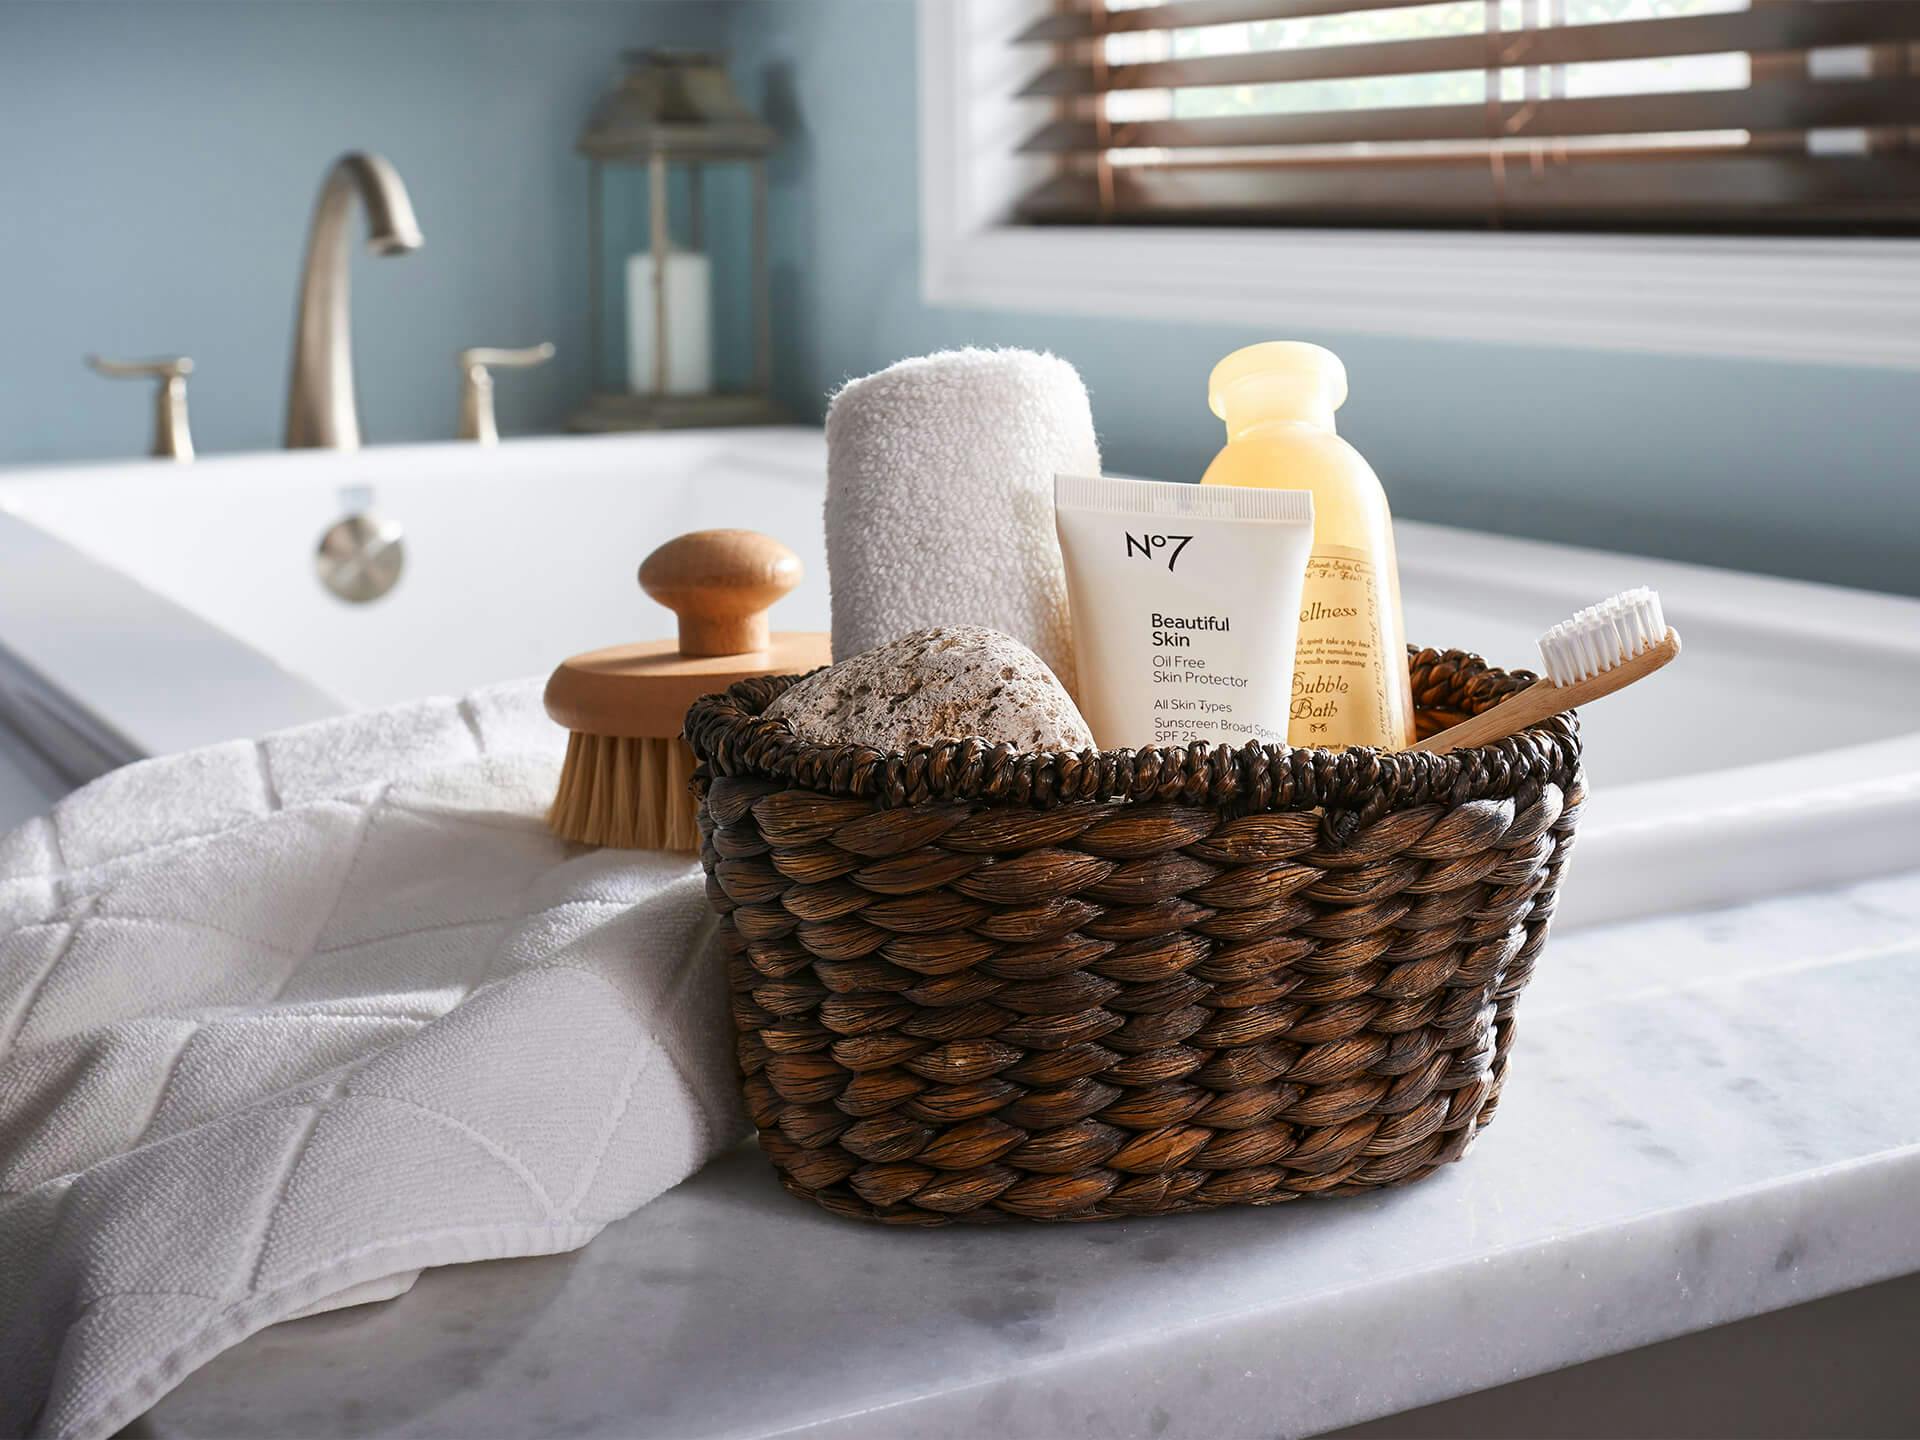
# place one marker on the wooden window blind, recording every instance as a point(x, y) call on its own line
point(1733, 115)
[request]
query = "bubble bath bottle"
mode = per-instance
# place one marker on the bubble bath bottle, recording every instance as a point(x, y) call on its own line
point(1350, 682)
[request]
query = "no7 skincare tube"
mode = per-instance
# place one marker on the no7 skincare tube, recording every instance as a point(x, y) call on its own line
point(1186, 607)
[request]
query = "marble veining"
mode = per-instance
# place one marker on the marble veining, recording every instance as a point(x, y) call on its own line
point(1704, 1122)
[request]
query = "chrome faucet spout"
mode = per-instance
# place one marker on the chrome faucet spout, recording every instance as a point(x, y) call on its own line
point(321, 412)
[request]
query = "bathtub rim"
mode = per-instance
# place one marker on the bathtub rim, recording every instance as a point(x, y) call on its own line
point(78, 682)
point(74, 636)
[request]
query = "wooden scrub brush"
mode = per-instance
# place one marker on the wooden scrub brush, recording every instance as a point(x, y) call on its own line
point(627, 773)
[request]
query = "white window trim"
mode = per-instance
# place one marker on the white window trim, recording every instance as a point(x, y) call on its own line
point(1834, 301)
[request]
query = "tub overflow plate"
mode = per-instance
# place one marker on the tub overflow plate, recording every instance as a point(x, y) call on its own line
point(360, 557)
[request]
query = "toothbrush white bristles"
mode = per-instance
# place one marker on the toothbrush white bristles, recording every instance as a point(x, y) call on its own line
point(1603, 636)
point(1604, 648)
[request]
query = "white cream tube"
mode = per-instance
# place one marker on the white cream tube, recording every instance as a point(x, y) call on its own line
point(1186, 607)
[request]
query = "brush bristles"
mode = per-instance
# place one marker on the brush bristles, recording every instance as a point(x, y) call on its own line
point(628, 794)
point(1603, 636)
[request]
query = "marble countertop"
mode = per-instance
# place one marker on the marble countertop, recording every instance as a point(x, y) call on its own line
point(1709, 1116)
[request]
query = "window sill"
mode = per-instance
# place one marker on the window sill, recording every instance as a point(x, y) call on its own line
point(1827, 301)
point(1824, 301)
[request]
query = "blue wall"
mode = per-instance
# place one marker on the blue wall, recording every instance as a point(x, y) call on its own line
point(159, 162)
point(160, 159)
point(1801, 470)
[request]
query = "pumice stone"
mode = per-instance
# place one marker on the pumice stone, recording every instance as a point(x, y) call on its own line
point(947, 683)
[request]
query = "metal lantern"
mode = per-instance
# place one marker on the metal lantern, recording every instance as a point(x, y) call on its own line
point(678, 250)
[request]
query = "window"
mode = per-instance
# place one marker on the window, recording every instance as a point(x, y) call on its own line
point(1698, 114)
point(1730, 177)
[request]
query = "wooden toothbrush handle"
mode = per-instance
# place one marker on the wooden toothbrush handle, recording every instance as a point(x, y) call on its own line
point(1543, 699)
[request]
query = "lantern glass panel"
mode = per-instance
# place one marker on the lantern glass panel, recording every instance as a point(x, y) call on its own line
point(710, 223)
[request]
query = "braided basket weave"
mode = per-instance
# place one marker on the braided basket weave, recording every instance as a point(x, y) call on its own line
point(971, 983)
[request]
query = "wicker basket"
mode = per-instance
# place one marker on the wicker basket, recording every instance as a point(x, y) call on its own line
point(971, 983)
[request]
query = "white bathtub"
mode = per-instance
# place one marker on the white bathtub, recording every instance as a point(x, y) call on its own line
point(146, 607)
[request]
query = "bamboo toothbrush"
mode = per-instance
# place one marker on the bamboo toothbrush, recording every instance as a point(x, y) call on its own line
point(1602, 649)
point(626, 779)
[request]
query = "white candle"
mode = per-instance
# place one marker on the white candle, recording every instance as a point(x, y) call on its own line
point(689, 324)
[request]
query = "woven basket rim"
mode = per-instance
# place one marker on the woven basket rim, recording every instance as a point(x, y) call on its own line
point(730, 737)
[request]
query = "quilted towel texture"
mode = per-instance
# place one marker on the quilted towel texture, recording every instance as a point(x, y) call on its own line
point(283, 1022)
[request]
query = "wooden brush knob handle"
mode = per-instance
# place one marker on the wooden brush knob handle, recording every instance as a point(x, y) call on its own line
point(720, 583)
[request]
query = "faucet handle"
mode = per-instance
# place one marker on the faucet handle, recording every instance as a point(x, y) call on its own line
point(167, 367)
point(476, 385)
point(172, 436)
point(518, 359)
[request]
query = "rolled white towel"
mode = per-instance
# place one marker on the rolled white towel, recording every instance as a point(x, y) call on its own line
point(940, 498)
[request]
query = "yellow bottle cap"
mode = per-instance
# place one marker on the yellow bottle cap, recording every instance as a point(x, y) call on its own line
point(1277, 380)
